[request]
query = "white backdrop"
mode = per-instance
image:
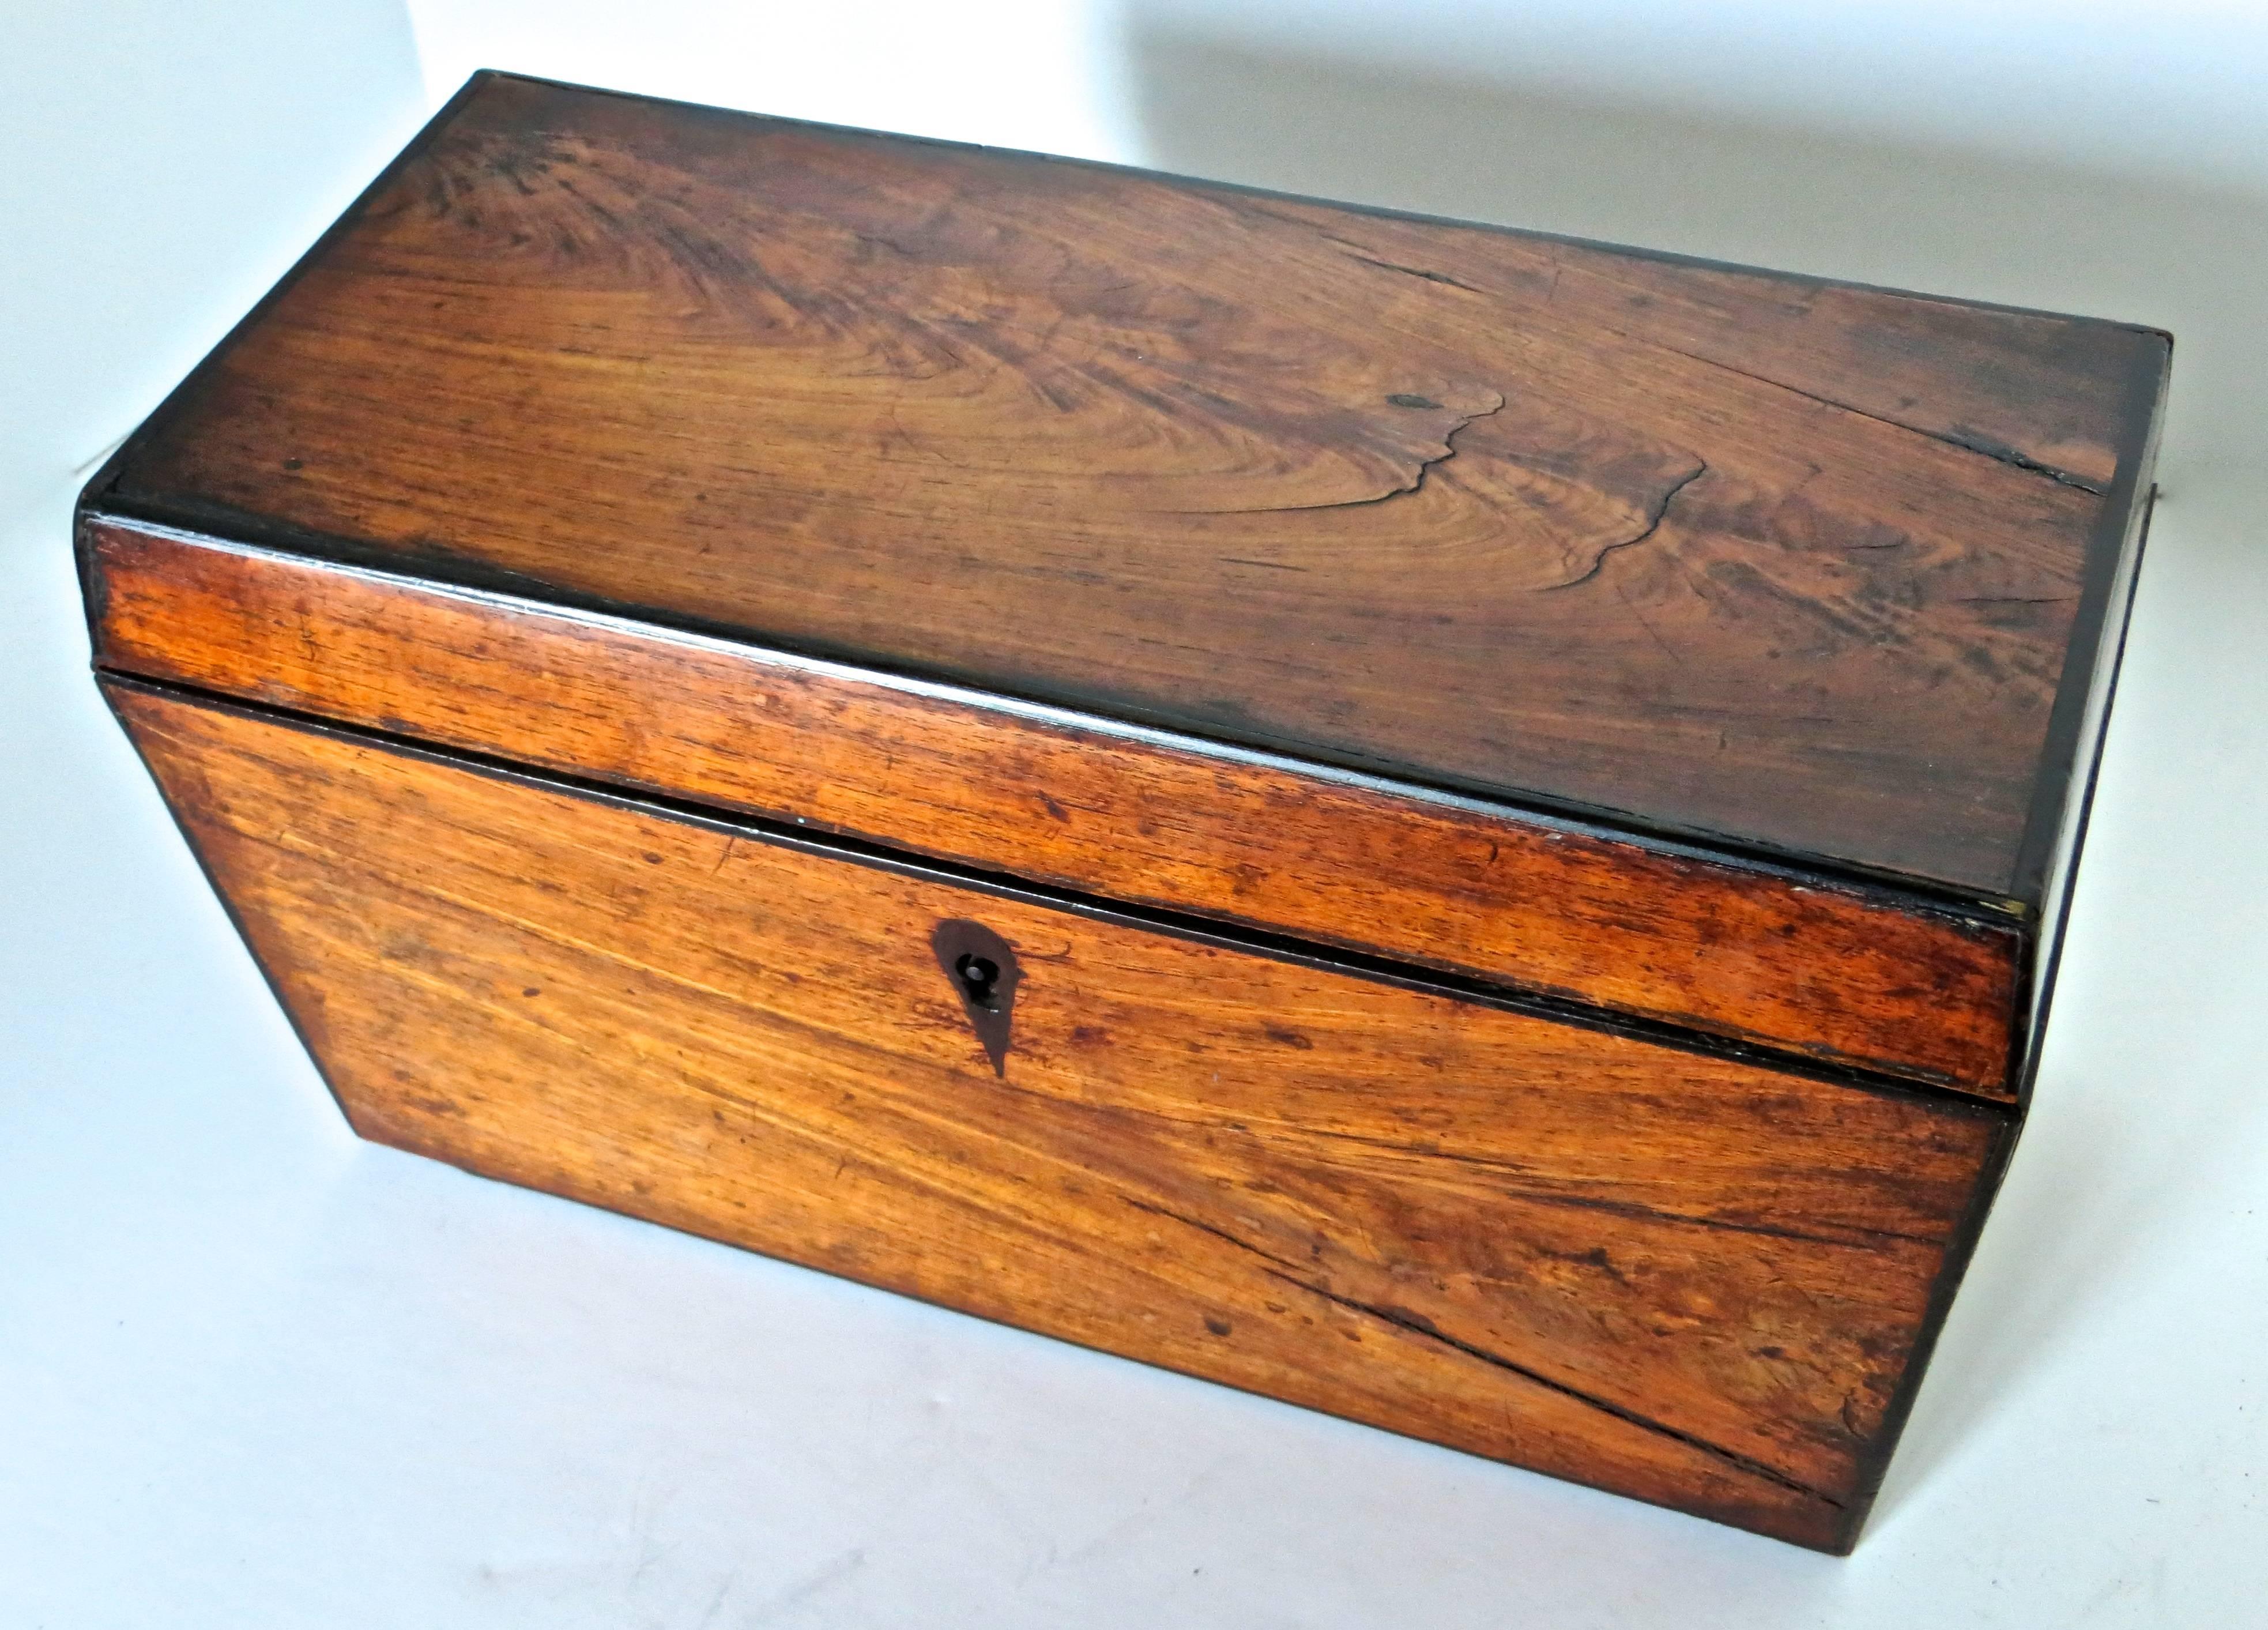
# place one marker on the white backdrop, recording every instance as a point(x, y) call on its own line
point(256, 1373)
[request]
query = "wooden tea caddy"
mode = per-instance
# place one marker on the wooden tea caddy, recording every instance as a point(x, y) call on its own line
point(1460, 827)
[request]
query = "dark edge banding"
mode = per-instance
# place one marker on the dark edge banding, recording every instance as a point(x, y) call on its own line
point(1174, 924)
point(2038, 991)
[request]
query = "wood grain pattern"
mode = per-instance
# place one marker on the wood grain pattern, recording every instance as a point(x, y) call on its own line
point(1761, 559)
point(1675, 1275)
point(1858, 977)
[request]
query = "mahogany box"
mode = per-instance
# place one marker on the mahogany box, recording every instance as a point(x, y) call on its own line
point(1460, 828)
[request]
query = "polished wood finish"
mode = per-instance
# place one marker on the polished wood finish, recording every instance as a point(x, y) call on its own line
point(1857, 976)
point(1679, 1275)
point(1462, 829)
point(1790, 566)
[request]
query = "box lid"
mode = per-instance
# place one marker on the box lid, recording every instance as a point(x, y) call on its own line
point(1790, 567)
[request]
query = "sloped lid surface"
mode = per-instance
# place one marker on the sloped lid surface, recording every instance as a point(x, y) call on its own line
point(1786, 564)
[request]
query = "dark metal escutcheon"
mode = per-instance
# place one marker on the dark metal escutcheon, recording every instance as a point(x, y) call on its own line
point(982, 968)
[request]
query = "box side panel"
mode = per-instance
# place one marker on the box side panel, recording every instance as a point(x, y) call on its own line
point(2090, 662)
point(1858, 977)
point(1673, 1275)
point(2090, 684)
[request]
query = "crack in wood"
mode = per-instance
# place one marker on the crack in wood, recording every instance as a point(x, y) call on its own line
point(1418, 1324)
point(1968, 441)
point(1857, 1237)
point(1653, 525)
point(1499, 1169)
point(1206, 1228)
point(1409, 272)
point(1408, 488)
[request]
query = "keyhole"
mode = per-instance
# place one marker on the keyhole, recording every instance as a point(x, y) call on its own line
point(982, 967)
point(980, 980)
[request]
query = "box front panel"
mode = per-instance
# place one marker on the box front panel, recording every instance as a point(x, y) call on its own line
point(1675, 1275)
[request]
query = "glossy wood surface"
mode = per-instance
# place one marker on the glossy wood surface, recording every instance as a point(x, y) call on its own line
point(1675, 1275)
point(1768, 560)
point(1858, 977)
